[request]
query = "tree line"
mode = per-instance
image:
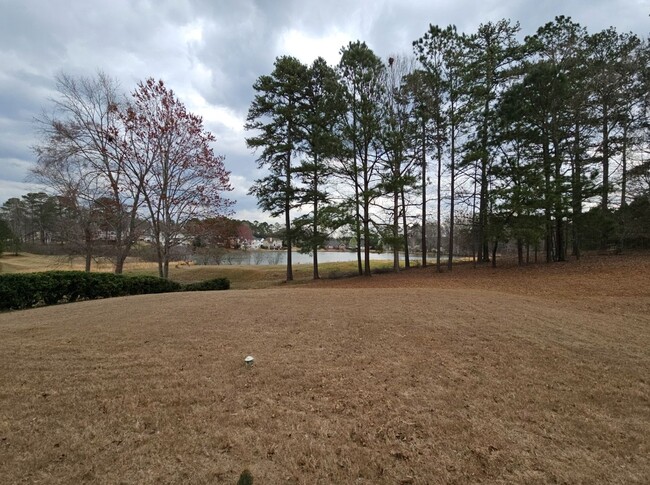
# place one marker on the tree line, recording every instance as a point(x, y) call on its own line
point(43, 223)
point(124, 166)
point(541, 142)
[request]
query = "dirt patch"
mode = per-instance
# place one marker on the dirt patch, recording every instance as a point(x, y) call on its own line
point(515, 376)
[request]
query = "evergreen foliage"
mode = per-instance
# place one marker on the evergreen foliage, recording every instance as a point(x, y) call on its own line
point(25, 290)
point(524, 138)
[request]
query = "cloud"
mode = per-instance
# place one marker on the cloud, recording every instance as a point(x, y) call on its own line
point(254, 215)
point(240, 185)
point(307, 48)
point(210, 52)
point(11, 188)
point(14, 169)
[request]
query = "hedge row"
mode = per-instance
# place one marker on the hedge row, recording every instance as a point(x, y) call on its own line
point(25, 290)
point(208, 285)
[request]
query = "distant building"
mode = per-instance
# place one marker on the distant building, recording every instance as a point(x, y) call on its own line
point(271, 243)
point(334, 244)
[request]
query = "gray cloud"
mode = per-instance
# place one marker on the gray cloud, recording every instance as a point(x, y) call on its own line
point(210, 52)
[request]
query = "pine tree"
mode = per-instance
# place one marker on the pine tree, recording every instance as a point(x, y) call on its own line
point(492, 52)
point(443, 54)
point(361, 72)
point(544, 99)
point(399, 155)
point(322, 108)
point(276, 114)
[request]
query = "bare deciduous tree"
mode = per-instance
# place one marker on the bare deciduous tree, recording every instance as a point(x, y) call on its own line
point(180, 176)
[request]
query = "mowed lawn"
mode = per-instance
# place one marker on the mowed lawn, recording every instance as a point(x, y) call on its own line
point(507, 376)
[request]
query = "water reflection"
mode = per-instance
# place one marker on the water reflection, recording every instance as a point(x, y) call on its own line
point(256, 257)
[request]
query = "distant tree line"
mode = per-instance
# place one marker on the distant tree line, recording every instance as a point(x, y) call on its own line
point(543, 143)
point(120, 166)
point(44, 223)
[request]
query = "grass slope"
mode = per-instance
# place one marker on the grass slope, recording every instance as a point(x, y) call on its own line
point(413, 379)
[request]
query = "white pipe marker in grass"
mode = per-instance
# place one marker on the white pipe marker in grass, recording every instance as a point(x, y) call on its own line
point(249, 360)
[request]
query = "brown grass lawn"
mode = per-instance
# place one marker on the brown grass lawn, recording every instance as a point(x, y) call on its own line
point(533, 375)
point(241, 276)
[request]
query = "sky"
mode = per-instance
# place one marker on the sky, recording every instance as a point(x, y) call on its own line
point(210, 52)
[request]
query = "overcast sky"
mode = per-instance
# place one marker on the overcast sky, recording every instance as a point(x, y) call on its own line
point(211, 51)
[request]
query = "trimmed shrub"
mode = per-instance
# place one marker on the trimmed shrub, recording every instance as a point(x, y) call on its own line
point(25, 290)
point(18, 291)
point(209, 285)
point(142, 285)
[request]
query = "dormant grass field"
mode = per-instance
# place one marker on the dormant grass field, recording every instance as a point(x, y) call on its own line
point(241, 276)
point(514, 375)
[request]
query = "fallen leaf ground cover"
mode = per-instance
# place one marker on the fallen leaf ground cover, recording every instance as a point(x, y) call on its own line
point(515, 375)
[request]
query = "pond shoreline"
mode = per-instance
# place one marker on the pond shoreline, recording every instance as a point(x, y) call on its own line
point(257, 257)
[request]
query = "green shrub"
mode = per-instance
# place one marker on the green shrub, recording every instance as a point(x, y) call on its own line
point(142, 285)
point(25, 290)
point(18, 291)
point(209, 285)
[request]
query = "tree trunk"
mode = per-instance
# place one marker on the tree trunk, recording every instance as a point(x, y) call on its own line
point(88, 249)
point(624, 163)
point(604, 203)
point(621, 239)
point(166, 249)
point(395, 230)
point(576, 196)
point(119, 255)
point(559, 217)
point(159, 254)
point(605, 131)
point(357, 218)
point(315, 230)
point(452, 191)
point(559, 238)
point(288, 240)
point(287, 215)
point(439, 197)
point(407, 260)
point(484, 252)
point(366, 242)
point(315, 262)
point(119, 263)
point(126, 242)
point(548, 199)
point(358, 234)
point(424, 194)
point(366, 213)
point(356, 183)
point(474, 232)
point(494, 253)
point(366, 232)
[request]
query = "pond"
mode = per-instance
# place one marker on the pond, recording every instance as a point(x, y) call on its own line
point(262, 257)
